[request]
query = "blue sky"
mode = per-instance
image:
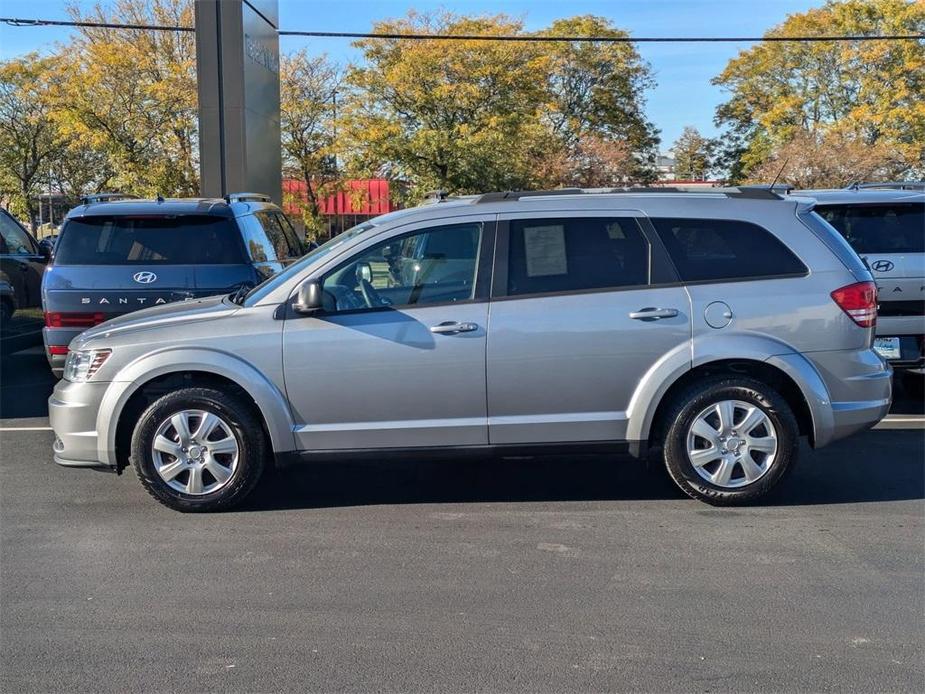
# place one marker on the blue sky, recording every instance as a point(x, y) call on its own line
point(683, 96)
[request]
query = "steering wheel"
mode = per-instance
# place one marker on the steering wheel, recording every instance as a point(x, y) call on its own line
point(370, 295)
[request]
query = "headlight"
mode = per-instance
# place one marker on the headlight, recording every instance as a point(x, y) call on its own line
point(80, 366)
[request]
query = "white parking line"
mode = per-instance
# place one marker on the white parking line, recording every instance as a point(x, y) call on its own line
point(25, 428)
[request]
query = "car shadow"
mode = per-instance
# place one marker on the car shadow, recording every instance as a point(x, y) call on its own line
point(871, 467)
point(26, 382)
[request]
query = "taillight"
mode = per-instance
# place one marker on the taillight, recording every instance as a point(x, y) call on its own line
point(58, 350)
point(54, 319)
point(859, 301)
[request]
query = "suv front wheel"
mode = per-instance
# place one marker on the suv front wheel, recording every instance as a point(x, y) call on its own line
point(198, 449)
point(730, 440)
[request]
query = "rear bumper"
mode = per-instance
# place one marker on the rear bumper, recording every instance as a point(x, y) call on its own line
point(851, 417)
point(846, 390)
point(58, 337)
point(72, 412)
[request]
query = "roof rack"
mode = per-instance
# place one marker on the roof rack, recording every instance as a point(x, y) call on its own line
point(889, 185)
point(436, 196)
point(247, 197)
point(746, 192)
point(106, 197)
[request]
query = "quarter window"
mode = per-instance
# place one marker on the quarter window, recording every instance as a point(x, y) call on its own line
point(585, 253)
point(724, 249)
point(427, 267)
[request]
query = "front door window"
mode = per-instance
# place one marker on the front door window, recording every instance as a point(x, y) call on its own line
point(427, 267)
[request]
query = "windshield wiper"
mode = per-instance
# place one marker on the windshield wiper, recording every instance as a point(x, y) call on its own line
point(237, 296)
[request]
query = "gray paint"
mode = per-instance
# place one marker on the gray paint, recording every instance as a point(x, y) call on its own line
point(237, 58)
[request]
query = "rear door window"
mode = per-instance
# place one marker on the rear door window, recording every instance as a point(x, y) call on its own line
point(725, 249)
point(894, 228)
point(149, 240)
point(575, 254)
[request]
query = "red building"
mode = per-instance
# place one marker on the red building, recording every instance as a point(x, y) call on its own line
point(357, 201)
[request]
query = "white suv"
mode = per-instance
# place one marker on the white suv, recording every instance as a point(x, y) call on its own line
point(885, 224)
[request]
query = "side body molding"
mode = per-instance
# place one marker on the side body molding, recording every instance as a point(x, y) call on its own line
point(271, 402)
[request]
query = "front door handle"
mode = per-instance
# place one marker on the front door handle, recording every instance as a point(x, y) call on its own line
point(648, 314)
point(451, 327)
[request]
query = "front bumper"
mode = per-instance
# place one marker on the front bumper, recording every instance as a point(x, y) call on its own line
point(72, 411)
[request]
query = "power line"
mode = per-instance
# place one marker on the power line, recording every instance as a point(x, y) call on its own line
point(598, 39)
point(19, 22)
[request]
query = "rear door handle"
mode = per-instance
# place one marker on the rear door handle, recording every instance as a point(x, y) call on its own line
point(451, 327)
point(650, 313)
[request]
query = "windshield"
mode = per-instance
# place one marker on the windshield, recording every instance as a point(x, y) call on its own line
point(255, 295)
point(150, 240)
point(892, 228)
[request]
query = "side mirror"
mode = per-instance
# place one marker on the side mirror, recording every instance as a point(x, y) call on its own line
point(46, 250)
point(308, 298)
point(364, 272)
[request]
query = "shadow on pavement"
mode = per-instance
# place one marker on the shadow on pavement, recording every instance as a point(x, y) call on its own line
point(871, 467)
point(27, 382)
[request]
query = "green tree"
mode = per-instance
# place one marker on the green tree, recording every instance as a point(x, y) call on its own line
point(693, 155)
point(29, 142)
point(469, 116)
point(308, 88)
point(598, 95)
point(461, 116)
point(132, 94)
point(871, 91)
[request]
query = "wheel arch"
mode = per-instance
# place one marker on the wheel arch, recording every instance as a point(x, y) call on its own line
point(144, 380)
point(788, 372)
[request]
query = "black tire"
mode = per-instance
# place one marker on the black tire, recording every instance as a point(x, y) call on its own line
point(6, 310)
point(685, 408)
point(245, 427)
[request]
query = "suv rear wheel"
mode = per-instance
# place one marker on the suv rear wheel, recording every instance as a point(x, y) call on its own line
point(729, 440)
point(198, 449)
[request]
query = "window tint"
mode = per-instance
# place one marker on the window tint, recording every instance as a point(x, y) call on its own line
point(896, 228)
point(720, 249)
point(282, 238)
point(13, 238)
point(560, 255)
point(129, 240)
point(296, 244)
point(433, 266)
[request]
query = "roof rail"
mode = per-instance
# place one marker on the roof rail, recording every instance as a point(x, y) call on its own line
point(436, 196)
point(247, 197)
point(889, 185)
point(106, 197)
point(747, 192)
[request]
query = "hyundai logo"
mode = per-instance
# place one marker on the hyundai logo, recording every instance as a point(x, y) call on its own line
point(147, 277)
point(882, 265)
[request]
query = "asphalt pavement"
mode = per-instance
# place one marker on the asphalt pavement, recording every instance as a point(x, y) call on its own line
point(546, 575)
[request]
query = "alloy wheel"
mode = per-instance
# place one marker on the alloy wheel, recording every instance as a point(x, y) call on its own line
point(732, 443)
point(195, 452)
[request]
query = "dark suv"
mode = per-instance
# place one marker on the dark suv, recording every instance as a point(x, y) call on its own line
point(117, 256)
point(22, 262)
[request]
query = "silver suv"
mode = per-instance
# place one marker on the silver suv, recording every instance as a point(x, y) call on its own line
point(713, 329)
